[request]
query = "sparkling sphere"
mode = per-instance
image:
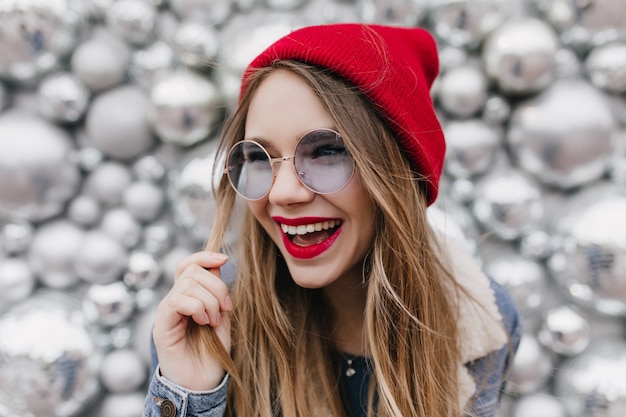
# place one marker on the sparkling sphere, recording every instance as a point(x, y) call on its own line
point(592, 384)
point(462, 91)
point(63, 97)
point(496, 110)
point(123, 404)
point(158, 237)
point(100, 259)
point(120, 224)
point(36, 36)
point(590, 262)
point(53, 251)
point(508, 203)
point(107, 183)
point(195, 44)
point(184, 107)
point(100, 62)
point(17, 280)
point(149, 168)
point(532, 367)
point(606, 66)
point(539, 405)
point(133, 20)
point(38, 176)
point(84, 210)
point(16, 237)
point(565, 331)
point(148, 64)
point(144, 200)
point(535, 244)
point(48, 360)
point(109, 304)
point(191, 196)
point(519, 56)
point(87, 158)
point(466, 23)
point(117, 123)
point(391, 12)
point(212, 12)
point(122, 371)
point(169, 261)
point(565, 136)
point(331, 11)
point(583, 25)
point(143, 270)
point(471, 147)
point(524, 278)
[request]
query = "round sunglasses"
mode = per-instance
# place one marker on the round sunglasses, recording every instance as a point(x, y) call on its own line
point(321, 161)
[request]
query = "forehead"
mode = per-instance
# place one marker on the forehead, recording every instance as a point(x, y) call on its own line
point(284, 106)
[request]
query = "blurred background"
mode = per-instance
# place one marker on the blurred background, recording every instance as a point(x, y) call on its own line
point(109, 110)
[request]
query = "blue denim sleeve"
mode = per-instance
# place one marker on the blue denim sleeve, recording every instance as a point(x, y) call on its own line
point(167, 399)
point(490, 371)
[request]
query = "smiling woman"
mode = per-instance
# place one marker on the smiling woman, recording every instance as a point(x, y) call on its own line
point(345, 303)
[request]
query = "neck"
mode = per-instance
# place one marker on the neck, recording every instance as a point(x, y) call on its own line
point(348, 303)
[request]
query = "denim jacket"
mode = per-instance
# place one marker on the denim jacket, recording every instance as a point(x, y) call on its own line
point(486, 356)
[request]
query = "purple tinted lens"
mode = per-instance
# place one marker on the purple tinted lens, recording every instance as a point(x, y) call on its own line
point(322, 161)
point(249, 170)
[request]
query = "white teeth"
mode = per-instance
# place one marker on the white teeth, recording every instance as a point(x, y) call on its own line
point(303, 229)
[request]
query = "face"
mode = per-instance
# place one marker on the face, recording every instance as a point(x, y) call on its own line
point(323, 237)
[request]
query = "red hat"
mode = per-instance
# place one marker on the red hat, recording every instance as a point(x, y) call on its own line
point(361, 54)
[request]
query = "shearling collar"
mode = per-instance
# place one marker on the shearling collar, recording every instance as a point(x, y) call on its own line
point(479, 323)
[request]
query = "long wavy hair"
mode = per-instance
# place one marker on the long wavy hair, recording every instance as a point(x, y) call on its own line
point(283, 361)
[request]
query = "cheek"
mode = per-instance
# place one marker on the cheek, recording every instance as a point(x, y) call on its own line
point(257, 208)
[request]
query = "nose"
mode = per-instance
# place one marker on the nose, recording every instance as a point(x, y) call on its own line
point(287, 188)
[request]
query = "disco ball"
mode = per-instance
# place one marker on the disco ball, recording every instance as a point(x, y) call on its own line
point(48, 359)
point(38, 175)
point(36, 36)
point(592, 384)
point(565, 136)
point(590, 260)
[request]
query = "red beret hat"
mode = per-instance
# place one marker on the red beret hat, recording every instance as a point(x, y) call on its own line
point(393, 66)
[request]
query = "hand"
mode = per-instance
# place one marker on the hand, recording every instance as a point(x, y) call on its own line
point(198, 294)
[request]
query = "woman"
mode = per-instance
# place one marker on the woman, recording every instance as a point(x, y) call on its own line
point(345, 302)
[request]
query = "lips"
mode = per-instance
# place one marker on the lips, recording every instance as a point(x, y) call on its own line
point(306, 238)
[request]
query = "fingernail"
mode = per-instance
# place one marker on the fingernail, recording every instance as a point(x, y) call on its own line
point(228, 304)
point(219, 256)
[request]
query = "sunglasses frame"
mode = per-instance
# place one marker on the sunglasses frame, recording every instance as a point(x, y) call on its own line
point(274, 161)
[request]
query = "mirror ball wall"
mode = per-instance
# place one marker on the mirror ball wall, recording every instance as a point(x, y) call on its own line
point(109, 110)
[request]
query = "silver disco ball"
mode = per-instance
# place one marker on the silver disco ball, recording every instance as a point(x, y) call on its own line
point(508, 203)
point(592, 384)
point(35, 36)
point(590, 260)
point(184, 107)
point(565, 136)
point(519, 56)
point(471, 147)
point(48, 359)
point(38, 175)
point(466, 23)
point(585, 24)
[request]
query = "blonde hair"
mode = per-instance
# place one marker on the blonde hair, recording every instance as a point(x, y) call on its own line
point(283, 359)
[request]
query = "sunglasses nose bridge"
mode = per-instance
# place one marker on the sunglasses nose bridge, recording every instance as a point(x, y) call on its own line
point(275, 161)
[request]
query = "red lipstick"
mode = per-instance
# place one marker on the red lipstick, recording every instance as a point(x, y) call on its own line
point(311, 251)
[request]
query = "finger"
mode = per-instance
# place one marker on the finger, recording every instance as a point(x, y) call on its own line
point(192, 287)
point(202, 311)
point(211, 282)
point(206, 259)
